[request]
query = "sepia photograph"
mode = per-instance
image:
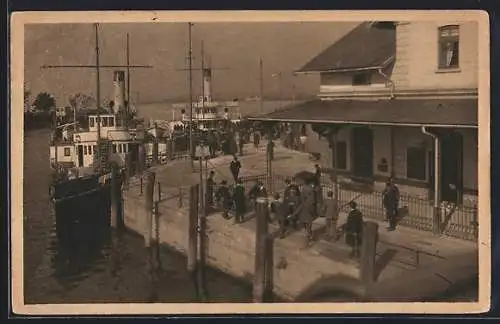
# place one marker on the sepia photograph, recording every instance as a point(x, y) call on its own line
point(250, 162)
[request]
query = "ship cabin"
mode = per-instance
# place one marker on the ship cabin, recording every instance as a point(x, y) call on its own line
point(73, 147)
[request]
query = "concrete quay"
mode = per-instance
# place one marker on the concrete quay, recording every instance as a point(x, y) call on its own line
point(300, 271)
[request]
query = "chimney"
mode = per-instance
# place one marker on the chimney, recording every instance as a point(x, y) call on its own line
point(207, 84)
point(119, 87)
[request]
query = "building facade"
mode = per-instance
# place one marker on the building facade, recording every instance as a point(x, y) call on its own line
point(403, 98)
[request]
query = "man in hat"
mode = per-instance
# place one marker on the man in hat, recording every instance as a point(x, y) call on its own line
point(235, 167)
point(390, 201)
point(354, 229)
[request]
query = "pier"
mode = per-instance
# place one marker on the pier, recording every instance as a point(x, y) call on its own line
point(295, 270)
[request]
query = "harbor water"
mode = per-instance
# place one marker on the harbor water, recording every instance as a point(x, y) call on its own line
point(108, 267)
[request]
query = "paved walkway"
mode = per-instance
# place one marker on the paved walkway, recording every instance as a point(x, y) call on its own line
point(405, 240)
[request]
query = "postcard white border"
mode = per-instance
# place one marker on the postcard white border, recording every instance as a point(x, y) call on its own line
point(19, 19)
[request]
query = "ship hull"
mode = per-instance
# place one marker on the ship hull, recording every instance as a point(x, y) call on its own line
point(82, 209)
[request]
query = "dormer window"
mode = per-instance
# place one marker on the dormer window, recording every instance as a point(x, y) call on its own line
point(448, 47)
point(361, 79)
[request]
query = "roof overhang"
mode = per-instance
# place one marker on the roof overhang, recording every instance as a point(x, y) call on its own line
point(415, 112)
point(388, 61)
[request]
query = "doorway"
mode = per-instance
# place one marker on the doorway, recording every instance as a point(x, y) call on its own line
point(362, 153)
point(80, 156)
point(452, 167)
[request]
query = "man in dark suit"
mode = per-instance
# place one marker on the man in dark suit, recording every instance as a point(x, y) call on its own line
point(239, 202)
point(235, 167)
point(354, 229)
point(390, 201)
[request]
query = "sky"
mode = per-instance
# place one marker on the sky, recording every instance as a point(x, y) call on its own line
point(235, 47)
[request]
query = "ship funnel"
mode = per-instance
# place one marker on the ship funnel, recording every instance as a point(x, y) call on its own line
point(207, 84)
point(119, 88)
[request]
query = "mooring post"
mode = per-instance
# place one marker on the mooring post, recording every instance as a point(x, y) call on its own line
point(159, 191)
point(269, 288)
point(368, 253)
point(202, 252)
point(116, 220)
point(193, 228)
point(259, 278)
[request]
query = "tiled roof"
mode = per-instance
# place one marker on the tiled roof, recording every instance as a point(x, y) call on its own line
point(452, 112)
point(366, 46)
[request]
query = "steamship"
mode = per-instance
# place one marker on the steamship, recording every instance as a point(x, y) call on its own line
point(207, 113)
point(79, 149)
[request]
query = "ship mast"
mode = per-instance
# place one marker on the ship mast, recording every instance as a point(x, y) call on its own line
point(127, 108)
point(202, 82)
point(190, 74)
point(98, 95)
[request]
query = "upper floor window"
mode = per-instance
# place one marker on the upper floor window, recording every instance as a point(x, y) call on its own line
point(362, 79)
point(448, 47)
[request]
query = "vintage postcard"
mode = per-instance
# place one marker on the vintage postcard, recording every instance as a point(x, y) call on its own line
point(250, 162)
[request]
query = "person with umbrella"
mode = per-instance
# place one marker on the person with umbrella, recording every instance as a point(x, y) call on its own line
point(223, 197)
point(306, 210)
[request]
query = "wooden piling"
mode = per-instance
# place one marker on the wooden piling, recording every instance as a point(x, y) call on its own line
point(116, 221)
point(149, 193)
point(259, 278)
point(269, 282)
point(202, 252)
point(368, 252)
point(193, 228)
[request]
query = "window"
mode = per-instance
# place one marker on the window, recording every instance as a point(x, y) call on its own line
point(111, 122)
point(67, 151)
point(415, 163)
point(114, 148)
point(361, 79)
point(90, 149)
point(91, 122)
point(105, 122)
point(119, 148)
point(125, 148)
point(448, 47)
point(340, 155)
point(85, 152)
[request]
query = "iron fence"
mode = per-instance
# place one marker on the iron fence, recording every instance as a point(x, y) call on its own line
point(458, 221)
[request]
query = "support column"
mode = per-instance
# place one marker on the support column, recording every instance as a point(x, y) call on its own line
point(437, 187)
point(393, 145)
point(270, 157)
point(436, 217)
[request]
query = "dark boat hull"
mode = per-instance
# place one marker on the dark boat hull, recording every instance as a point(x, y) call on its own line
point(82, 209)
